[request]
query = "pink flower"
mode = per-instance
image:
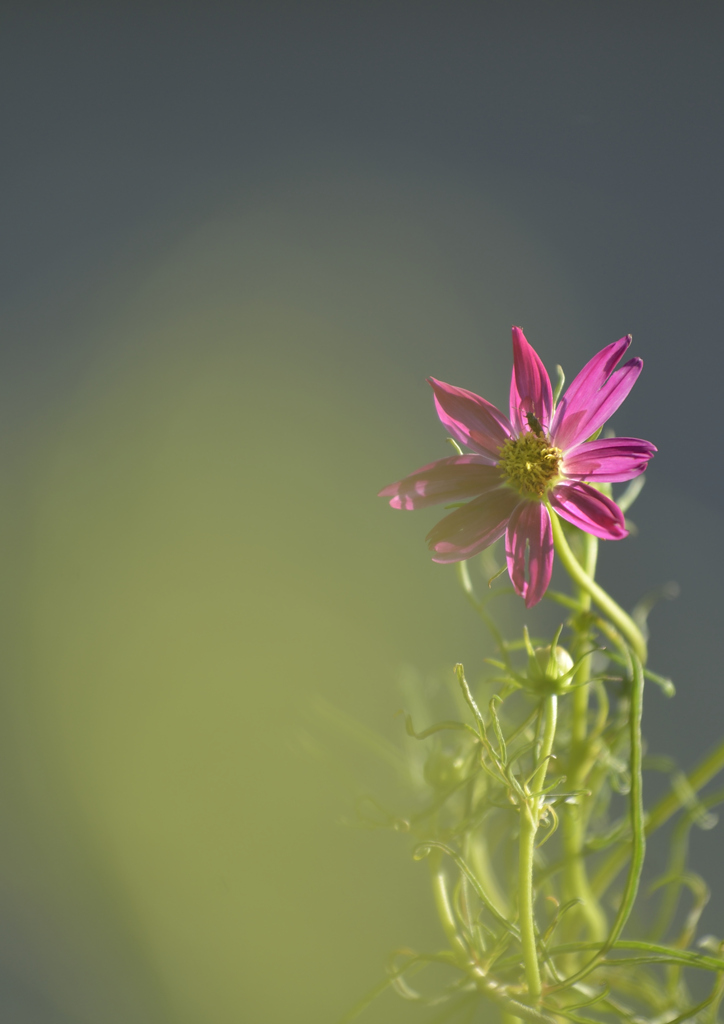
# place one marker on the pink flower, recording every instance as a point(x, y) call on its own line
point(519, 467)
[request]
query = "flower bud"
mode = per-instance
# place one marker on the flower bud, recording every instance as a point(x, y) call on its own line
point(443, 768)
point(550, 669)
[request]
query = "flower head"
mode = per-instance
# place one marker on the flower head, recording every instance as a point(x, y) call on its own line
point(520, 468)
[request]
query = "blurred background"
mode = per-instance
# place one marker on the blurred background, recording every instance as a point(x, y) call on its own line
point(235, 239)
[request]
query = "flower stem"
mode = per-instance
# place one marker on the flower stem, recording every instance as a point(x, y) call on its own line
point(530, 816)
point(637, 830)
point(665, 809)
point(444, 908)
point(580, 694)
point(528, 828)
point(550, 712)
point(576, 883)
point(608, 606)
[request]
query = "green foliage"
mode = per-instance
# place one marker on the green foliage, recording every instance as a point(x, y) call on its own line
point(529, 812)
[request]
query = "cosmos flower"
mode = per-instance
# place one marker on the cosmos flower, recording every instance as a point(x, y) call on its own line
point(544, 457)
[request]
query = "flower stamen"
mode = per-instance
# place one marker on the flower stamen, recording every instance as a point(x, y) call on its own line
point(530, 462)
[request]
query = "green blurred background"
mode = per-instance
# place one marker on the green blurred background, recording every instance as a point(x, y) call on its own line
point(237, 238)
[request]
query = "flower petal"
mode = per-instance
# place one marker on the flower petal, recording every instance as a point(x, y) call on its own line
point(456, 478)
point(589, 510)
point(530, 525)
point(530, 387)
point(475, 526)
point(613, 460)
point(591, 379)
point(594, 395)
point(471, 420)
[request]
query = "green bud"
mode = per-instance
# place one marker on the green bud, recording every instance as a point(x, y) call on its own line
point(550, 669)
point(443, 768)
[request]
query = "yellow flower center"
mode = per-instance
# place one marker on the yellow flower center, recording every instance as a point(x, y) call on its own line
point(530, 462)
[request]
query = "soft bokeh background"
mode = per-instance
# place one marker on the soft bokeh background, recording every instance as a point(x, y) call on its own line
point(235, 239)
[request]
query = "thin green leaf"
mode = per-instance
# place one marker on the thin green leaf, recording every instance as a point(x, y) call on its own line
point(438, 727)
point(432, 844)
point(497, 699)
point(626, 499)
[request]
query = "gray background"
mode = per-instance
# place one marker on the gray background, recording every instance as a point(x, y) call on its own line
point(384, 188)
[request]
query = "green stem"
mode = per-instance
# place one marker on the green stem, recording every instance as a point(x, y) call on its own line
point(478, 856)
point(608, 606)
point(576, 884)
point(433, 846)
point(528, 829)
point(550, 713)
point(579, 729)
point(666, 808)
point(657, 954)
point(637, 828)
point(529, 819)
point(444, 907)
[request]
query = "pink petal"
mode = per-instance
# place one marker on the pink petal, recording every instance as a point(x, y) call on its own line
point(530, 526)
point(471, 420)
point(589, 510)
point(530, 387)
point(456, 478)
point(612, 460)
point(594, 395)
point(590, 380)
point(475, 526)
